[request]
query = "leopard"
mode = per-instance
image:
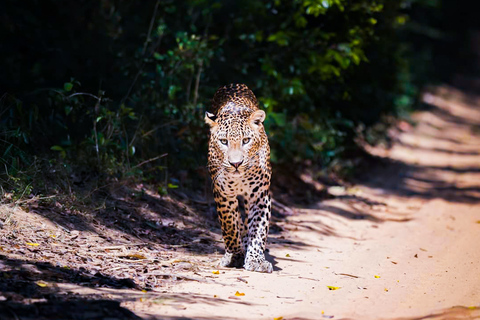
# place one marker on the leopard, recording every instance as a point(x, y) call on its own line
point(240, 170)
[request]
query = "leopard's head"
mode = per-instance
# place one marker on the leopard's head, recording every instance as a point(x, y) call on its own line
point(236, 139)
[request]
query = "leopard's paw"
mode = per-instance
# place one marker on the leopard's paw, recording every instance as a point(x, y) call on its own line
point(258, 266)
point(232, 260)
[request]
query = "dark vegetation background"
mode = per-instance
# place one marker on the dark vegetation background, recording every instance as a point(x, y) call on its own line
point(116, 89)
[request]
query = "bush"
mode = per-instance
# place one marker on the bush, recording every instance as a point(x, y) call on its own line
point(113, 86)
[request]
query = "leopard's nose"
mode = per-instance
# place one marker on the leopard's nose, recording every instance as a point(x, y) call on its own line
point(236, 164)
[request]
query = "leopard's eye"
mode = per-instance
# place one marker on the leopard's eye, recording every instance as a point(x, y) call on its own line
point(246, 140)
point(224, 141)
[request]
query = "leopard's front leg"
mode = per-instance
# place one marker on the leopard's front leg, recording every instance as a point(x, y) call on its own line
point(259, 212)
point(232, 229)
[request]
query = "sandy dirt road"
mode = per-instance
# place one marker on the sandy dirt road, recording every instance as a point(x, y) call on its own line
point(403, 244)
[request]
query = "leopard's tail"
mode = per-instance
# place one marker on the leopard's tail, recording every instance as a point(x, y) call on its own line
point(239, 94)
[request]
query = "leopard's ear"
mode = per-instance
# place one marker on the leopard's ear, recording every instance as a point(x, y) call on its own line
point(256, 119)
point(210, 119)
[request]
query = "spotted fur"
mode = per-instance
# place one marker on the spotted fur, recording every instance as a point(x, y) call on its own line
point(239, 164)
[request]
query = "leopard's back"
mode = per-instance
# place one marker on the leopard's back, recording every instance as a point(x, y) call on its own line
point(233, 96)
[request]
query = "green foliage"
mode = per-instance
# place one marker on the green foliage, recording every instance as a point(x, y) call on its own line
point(145, 73)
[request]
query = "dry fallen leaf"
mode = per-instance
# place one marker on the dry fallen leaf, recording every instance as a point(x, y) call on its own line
point(279, 318)
point(32, 244)
point(333, 288)
point(238, 294)
point(287, 255)
point(478, 221)
point(354, 190)
point(41, 284)
point(216, 272)
point(377, 277)
point(386, 290)
point(179, 307)
point(179, 260)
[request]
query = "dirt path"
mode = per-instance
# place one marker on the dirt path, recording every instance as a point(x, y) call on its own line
point(402, 244)
point(405, 244)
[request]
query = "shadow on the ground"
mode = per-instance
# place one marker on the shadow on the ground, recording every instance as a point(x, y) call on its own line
point(273, 260)
point(293, 187)
point(32, 290)
point(429, 181)
point(406, 175)
point(439, 150)
point(142, 216)
point(457, 312)
point(29, 291)
point(23, 277)
point(79, 309)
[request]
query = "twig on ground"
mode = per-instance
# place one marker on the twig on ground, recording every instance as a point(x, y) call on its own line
point(346, 274)
point(123, 246)
point(34, 199)
point(179, 276)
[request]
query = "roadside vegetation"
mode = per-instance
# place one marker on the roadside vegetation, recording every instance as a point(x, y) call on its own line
point(94, 93)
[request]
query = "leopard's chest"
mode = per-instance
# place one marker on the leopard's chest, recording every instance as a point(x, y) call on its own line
point(243, 185)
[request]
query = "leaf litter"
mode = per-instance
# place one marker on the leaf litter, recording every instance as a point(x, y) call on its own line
point(48, 245)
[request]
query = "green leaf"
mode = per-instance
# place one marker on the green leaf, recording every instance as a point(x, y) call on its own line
point(172, 90)
point(57, 148)
point(162, 190)
point(281, 38)
point(68, 109)
point(68, 86)
point(63, 154)
point(279, 118)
